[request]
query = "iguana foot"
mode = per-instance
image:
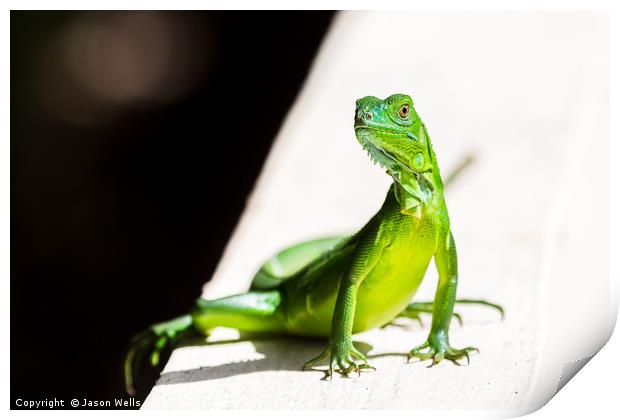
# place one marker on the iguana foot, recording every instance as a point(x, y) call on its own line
point(437, 348)
point(495, 306)
point(413, 311)
point(152, 342)
point(342, 359)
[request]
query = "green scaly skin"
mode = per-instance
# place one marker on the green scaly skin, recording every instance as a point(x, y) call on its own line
point(336, 287)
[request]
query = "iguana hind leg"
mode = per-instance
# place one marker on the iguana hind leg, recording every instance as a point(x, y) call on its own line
point(249, 312)
point(254, 311)
point(152, 342)
point(291, 260)
point(413, 310)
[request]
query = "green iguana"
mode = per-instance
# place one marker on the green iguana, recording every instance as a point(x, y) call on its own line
point(339, 286)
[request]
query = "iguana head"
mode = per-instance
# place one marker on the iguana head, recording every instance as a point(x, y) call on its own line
point(394, 136)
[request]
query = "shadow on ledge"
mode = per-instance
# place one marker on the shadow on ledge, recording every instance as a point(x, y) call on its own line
point(281, 353)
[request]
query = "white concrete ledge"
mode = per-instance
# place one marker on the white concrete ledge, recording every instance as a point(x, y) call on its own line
point(527, 94)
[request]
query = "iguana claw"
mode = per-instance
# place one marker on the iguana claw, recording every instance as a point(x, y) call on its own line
point(439, 353)
point(342, 360)
point(153, 341)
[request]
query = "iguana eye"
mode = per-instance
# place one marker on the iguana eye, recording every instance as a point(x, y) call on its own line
point(404, 111)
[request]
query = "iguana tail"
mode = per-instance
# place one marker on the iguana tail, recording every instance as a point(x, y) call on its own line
point(154, 340)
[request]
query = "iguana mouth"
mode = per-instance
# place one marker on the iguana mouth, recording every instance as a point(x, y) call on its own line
point(362, 125)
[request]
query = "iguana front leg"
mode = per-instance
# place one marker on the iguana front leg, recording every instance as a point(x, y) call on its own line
point(343, 356)
point(437, 346)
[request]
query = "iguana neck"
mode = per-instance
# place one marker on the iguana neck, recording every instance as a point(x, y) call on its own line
point(414, 191)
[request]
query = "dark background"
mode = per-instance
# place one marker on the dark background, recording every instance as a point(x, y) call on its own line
point(127, 180)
